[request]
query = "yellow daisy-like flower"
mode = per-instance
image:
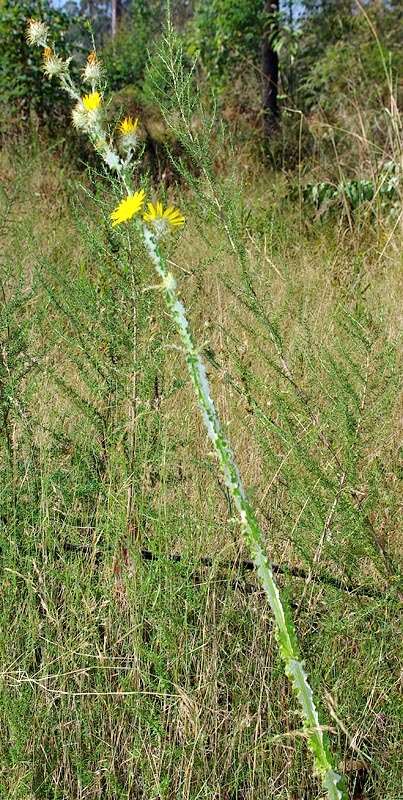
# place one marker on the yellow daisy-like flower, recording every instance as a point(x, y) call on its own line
point(128, 208)
point(128, 126)
point(161, 220)
point(92, 102)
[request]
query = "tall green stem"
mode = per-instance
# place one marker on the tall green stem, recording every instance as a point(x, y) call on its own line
point(284, 627)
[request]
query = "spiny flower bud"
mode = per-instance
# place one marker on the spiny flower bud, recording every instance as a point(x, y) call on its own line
point(80, 117)
point(52, 64)
point(92, 71)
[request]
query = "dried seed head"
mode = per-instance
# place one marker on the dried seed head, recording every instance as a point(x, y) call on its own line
point(37, 32)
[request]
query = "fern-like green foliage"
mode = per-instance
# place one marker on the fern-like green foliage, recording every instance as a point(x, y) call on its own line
point(327, 486)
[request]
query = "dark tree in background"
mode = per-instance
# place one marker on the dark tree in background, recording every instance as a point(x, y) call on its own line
point(252, 54)
point(270, 68)
point(116, 15)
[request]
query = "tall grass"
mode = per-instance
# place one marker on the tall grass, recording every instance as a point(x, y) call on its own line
point(87, 115)
point(154, 659)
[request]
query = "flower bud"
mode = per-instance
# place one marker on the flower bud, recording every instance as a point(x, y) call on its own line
point(52, 64)
point(92, 72)
point(80, 117)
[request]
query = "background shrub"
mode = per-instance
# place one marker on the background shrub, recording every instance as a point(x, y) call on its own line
point(22, 85)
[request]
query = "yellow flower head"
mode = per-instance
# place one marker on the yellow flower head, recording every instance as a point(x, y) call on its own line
point(161, 220)
point(92, 102)
point(128, 208)
point(128, 126)
point(92, 57)
point(47, 53)
point(128, 133)
point(36, 33)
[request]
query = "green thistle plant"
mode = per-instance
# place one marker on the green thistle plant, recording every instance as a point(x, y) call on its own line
point(152, 225)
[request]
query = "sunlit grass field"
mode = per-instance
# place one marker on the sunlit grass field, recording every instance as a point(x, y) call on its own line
point(128, 672)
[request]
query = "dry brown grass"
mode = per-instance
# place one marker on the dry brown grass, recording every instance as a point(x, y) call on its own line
point(126, 679)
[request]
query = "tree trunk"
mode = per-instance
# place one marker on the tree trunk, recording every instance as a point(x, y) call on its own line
point(270, 69)
point(116, 15)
